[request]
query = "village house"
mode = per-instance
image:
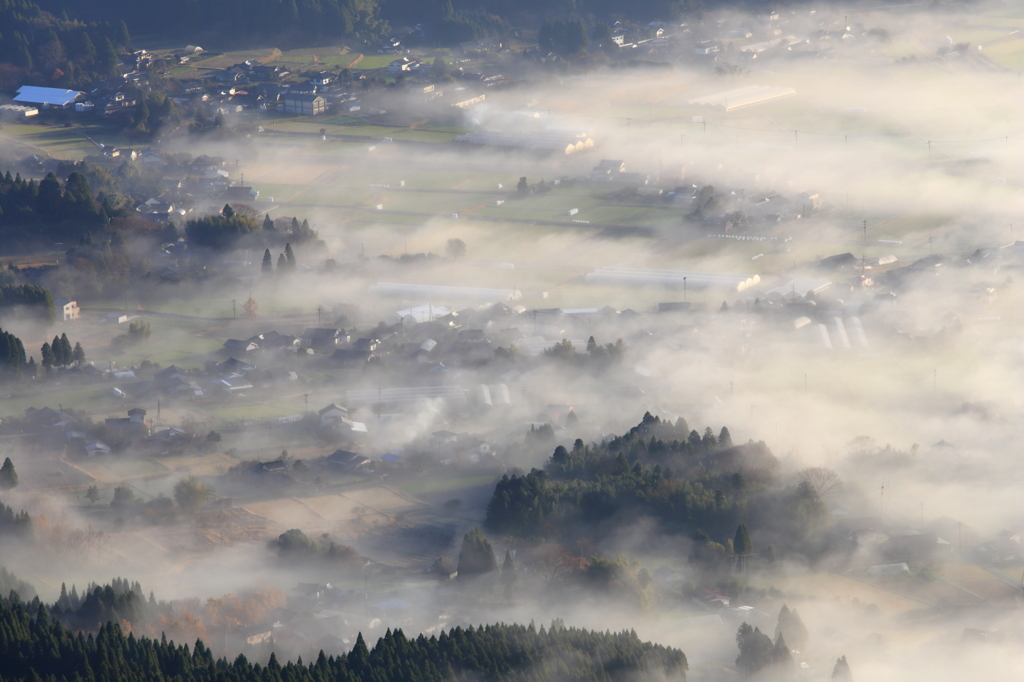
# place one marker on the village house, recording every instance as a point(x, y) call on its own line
point(321, 338)
point(332, 415)
point(132, 426)
point(344, 460)
point(65, 309)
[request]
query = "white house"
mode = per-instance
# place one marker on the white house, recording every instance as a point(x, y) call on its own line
point(332, 414)
point(68, 310)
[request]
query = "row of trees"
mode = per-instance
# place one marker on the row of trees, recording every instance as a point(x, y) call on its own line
point(235, 222)
point(285, 261)
point(13, 364)
point(36, 645)
point(63, 210)
point(759, 655)
point(14, 524)
point(28, 298)
point(596, 354)
point(60, 353)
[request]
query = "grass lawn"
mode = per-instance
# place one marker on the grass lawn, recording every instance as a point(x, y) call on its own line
point(58, 142)
point(375, 61)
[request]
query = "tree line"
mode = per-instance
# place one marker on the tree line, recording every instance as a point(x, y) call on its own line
point(60, 353)
point(31, 298)
point(234, 223)
point(254, 18)
point(62, 210)
point(35, 645)
point(14, 524)
point(53, 355)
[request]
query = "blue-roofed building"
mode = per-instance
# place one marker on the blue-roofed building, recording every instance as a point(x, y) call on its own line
point(50, 97)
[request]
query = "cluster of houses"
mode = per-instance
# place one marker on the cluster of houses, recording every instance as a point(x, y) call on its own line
point(84, 438)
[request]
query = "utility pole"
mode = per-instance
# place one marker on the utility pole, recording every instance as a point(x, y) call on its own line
point(929, 150)
point(234, 310)
point(684, 290)
point(705, 124)
point(319, 309)
point(306, 396)
point(865, 233)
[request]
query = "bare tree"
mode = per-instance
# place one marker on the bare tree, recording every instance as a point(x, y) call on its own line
point(824, 481)
point(245, 210)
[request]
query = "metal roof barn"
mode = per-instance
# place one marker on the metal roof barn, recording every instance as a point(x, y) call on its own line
point(52, 97)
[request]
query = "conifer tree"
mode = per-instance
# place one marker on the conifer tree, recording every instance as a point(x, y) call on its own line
point(841, 673)
point(782, 657)
point(741, 544)
point(476, 556)
point(289, 256)
point(791, 626)
point(48, 358)
point(8, 476)
point(66, 349)
point(268, 224)
point(756, 649)
point(58, 352)
point(282, 263)
point(79, 354)
point(268, 262)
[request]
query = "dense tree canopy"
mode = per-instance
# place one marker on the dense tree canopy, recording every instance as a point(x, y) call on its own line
point(51, 49)
point(36, 644)
point(690, 484)
point(218, 231)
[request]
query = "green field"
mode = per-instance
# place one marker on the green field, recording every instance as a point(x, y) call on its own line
point(440, 485)
point(375, 61)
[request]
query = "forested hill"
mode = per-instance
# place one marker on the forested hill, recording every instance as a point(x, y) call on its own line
point(35, 647)
point(288, 21)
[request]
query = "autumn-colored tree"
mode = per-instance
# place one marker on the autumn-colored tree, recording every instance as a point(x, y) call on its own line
point(250, 308)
